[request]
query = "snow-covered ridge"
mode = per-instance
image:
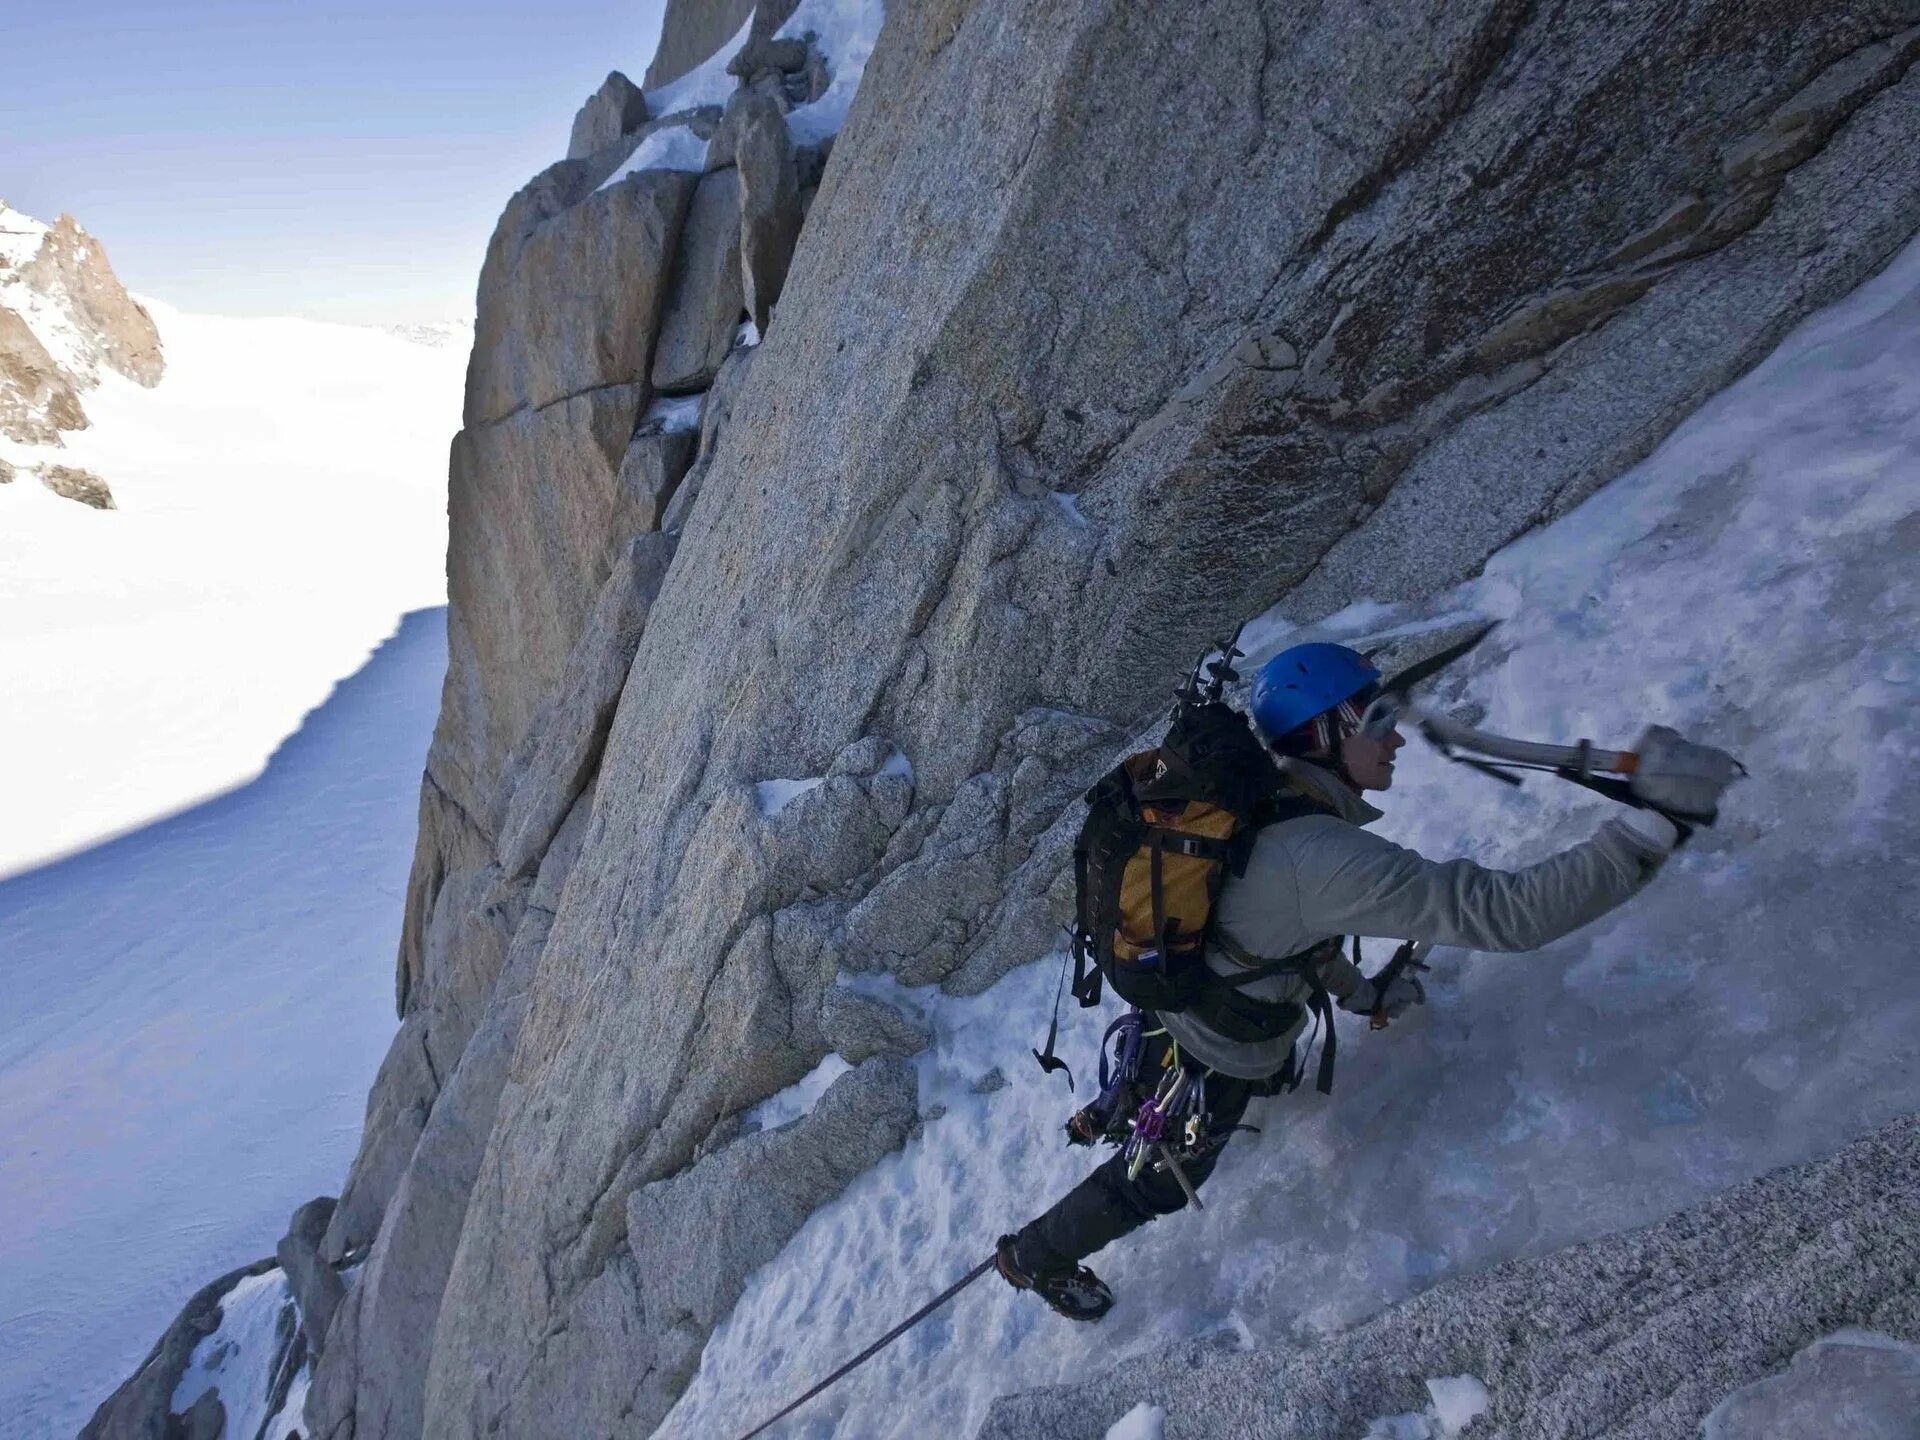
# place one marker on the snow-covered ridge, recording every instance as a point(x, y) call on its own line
point(840, 33)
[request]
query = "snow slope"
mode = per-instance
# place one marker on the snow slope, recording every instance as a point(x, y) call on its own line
point(1753, 583)
point(195, 1010)
point(282, 502)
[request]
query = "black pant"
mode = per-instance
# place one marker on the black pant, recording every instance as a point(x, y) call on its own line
point(1107, 1205)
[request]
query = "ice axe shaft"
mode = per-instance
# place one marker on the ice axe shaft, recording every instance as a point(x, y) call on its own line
point(1410, 956)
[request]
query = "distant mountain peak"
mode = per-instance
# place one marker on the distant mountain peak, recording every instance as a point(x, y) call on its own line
point(64, 316)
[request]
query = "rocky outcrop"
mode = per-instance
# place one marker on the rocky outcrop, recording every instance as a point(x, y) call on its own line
point(70, 482)
point(38, 400)
point(141, 1408)
point(755, 128)
point(693, 1247)
point(1040, 411)
point(571, 289)
point(106, 325)
point(860, 1025)
point(316, 1285)
point(707, 297)
point(64, 318)
point(1635, 1336)
point(615, 109)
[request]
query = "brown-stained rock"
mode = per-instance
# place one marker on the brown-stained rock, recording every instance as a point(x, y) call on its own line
point(115, 329)
point(70, 482)
point(530, 506)
point(571, 289)
point(37, 399)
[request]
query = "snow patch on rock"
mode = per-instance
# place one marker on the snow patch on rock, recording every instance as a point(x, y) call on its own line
point(1458, 1400)
point(1856, 1383)
point(799, 1098)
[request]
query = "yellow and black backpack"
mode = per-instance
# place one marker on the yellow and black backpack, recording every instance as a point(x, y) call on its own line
point(1164, 830)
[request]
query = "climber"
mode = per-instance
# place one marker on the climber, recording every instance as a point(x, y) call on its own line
point(1311, 877)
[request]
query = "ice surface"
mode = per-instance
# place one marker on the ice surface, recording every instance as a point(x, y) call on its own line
point(844, 31)
point(1142, 1422)
point(236, 674)
point(673, 148)
point(1851, 1385)
point(1750, 583)
point(799, 1098)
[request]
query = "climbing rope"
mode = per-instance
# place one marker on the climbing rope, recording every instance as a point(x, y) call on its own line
point(877, 1346)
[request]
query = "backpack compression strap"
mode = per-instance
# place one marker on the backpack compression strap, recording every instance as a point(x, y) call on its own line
point(1306, 965)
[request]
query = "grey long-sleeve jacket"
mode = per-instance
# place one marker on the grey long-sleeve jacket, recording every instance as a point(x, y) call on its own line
point(1320, 876)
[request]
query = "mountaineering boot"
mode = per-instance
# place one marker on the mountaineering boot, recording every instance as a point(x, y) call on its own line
point(1075, 1291)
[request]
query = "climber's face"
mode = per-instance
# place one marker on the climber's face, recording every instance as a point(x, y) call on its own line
point(1370, 762)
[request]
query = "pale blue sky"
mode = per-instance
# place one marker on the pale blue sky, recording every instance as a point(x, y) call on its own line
point(343, 159)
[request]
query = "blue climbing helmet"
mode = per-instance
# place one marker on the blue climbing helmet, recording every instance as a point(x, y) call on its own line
point(1307, 681)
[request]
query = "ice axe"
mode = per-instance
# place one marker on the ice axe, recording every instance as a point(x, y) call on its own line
point(1666, 772)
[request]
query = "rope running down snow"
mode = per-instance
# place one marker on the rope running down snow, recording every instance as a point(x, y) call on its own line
point(877, 1346)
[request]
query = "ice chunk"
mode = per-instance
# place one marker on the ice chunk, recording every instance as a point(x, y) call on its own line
point(1457, 1399)
point(1857, 1382)
point(799, 1098)
point(776, 795)
point(671, 412)
point(1142, 1422)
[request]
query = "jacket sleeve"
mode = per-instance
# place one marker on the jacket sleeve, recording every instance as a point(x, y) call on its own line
point(1354, 883)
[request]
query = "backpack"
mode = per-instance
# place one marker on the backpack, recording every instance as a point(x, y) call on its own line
point(1164, 830)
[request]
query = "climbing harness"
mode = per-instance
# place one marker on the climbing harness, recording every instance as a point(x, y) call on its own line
point(877, 1346)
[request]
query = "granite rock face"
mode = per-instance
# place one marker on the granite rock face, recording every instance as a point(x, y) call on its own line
point(317, 1286)
point(1634, 1337)
point(756, 126)
point(615, 109)
point(1043, 412)
point(707, 296)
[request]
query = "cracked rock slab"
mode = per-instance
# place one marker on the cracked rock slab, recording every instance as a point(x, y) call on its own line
point(1632, 1337)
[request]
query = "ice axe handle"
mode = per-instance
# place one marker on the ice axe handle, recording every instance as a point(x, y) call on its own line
point(1405, 958)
